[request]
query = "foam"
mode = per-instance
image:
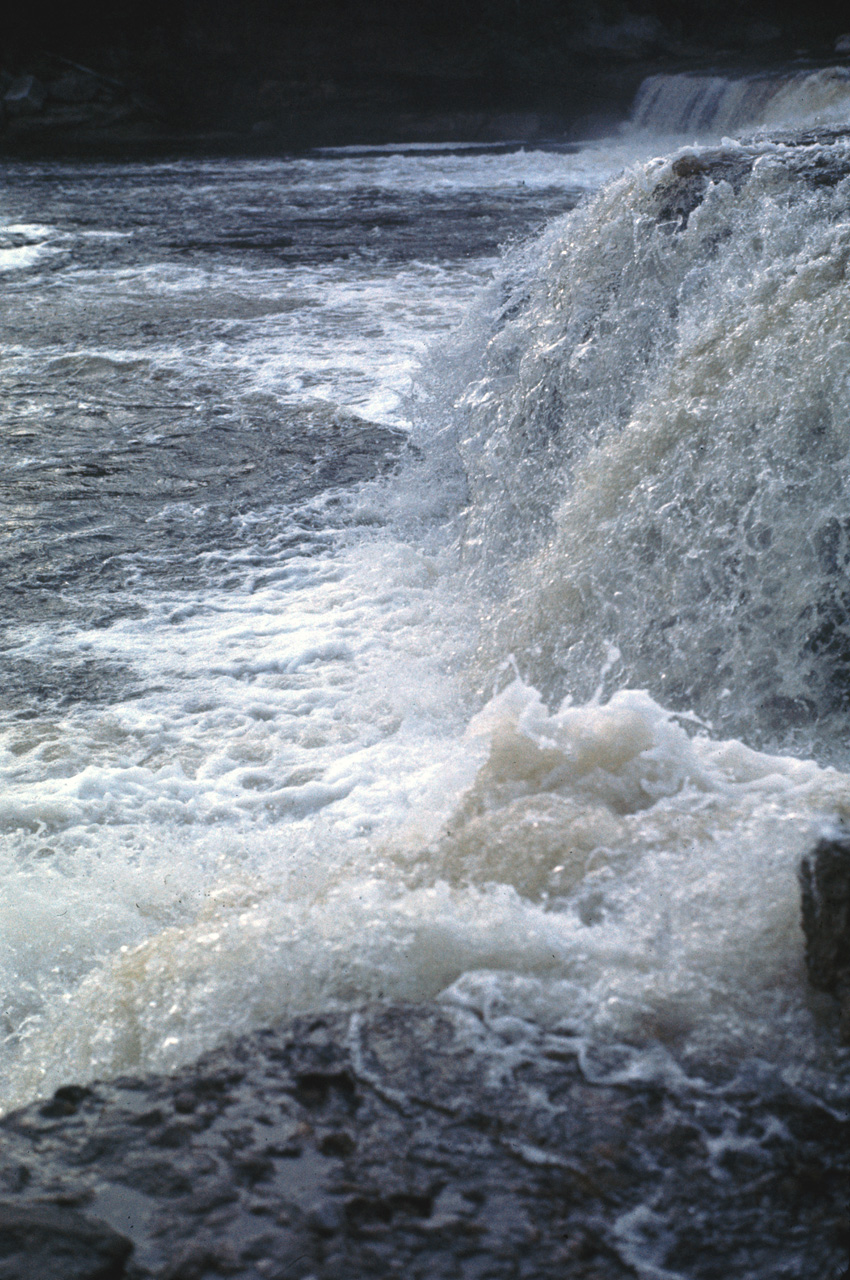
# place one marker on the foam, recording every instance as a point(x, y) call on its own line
point(597, 866)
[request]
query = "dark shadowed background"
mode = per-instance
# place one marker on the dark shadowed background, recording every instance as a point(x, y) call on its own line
point(294, 72)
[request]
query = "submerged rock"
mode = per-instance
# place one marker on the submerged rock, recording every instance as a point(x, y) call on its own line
point(422, 1142)
point(825, 881)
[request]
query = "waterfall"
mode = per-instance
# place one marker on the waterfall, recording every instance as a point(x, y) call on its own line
point(656, 443)
point(701, 104)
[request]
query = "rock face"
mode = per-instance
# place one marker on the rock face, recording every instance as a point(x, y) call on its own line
point(55, 1243)
point(825, 880)
point(419, 1142)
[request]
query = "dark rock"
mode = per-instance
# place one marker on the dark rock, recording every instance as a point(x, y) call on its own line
point(694, 172)
point(825, 882)
point(43, 1242)
point(420, 1141)
point(65, 1101)
point(25, 96)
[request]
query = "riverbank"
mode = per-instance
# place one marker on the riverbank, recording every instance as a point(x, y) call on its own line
point(119, 121)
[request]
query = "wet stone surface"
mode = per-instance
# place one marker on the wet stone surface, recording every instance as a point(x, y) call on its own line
point(817, 159)
point(420, 1142)
point(825, 884)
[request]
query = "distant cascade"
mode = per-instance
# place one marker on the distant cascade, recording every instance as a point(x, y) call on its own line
point(713, 104)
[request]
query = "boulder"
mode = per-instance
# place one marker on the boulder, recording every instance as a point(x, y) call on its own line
point(693, 173)
point(825, 883)
point(427, 1142)
point(57, 1243)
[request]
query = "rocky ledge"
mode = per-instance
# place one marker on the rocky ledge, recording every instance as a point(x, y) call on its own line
point(825, 883)
point(816, 158)
point(416, 1141)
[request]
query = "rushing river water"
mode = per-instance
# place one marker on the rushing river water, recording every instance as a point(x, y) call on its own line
point(388, 617)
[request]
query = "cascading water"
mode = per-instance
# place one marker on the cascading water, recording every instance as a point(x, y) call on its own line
point(657, 451)
point(494, 729)
point(699, 105)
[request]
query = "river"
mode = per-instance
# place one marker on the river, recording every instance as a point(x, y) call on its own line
point(424, 575)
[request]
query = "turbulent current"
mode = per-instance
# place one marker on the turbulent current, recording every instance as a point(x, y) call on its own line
point(389, 617)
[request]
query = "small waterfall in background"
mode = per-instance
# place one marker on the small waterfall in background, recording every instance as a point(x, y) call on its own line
point(698, 104)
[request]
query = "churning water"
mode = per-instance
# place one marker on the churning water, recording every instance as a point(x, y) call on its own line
point(387, 618)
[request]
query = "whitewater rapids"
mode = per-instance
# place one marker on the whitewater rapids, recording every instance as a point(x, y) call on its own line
point(542, 722)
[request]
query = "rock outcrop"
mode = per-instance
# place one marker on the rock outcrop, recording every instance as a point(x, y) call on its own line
point(825, 881)
point(418, 1142)
point(694, 172)
point(56, 1243)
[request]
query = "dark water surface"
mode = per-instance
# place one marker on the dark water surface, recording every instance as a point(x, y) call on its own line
point(124, 461)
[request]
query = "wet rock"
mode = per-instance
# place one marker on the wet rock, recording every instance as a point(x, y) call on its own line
point(825, 883)
point(693, 173)
point(25, 96)
point(424, 1142)
point(46, 1242)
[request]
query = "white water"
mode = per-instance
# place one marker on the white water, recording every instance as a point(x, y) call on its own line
point(335, 786)
point(655, 440)
point(700, 105)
